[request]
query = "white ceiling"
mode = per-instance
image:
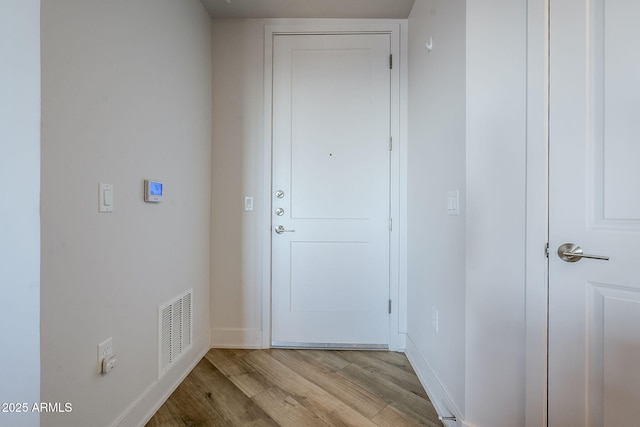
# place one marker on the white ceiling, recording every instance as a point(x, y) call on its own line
point(372, 9)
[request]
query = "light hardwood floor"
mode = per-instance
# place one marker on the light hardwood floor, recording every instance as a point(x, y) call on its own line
point(298, 388)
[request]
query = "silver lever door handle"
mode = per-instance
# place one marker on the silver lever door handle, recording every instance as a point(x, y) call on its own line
point(280, 229)
point(570, 252)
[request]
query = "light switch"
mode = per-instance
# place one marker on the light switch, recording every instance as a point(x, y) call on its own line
point(105, 197)
point(248, 203)
point(453, 203)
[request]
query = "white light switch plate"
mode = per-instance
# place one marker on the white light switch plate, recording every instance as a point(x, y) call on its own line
point(453, 203)
point(248, 203)
point(105, 197)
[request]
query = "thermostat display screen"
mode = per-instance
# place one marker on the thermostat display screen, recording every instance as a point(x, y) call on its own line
point(155, 188)
point(152, 191)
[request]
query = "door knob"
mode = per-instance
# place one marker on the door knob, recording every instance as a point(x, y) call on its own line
point(280, 229)
point(570, 252)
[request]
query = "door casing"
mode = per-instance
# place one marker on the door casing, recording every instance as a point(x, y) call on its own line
point(537, 213)
point(397, 29)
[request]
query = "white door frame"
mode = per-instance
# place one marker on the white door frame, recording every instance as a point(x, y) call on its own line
point(537, 213)
point(398, 32)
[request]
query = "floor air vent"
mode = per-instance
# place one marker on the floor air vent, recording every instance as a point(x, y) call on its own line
point(175, 335)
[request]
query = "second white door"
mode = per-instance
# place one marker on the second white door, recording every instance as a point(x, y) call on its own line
point(594, 203)
point(330, 199)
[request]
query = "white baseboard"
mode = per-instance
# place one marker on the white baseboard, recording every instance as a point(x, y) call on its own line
point(148, 403)
point(236, 338)
point(398, 342)
point(437, 393)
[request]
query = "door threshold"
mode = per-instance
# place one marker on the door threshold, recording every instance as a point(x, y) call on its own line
point(328, 346)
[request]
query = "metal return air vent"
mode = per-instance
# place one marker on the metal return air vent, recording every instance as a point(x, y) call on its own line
point(175, 330)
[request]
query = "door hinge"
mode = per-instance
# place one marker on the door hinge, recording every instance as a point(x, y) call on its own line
point(391, 62)
point(390, 224)
point(390, 143)
point(546, 250)
point(389, 306)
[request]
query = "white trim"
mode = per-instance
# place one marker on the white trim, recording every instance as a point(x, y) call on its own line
point(397, 28)
point(442, 402)
point(402, 191)
point(148, 403)
point(537, 213)
point(266, 189)
point(236, 338)
point(328, 346)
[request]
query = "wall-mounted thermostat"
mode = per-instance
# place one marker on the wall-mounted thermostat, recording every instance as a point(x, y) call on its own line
point(152, 191)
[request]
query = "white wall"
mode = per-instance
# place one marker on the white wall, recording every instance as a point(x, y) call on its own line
point(126, 95)
point(496, 187)
point(237, 171)
point(19, 208)
point(472, 267)
point(436, 241)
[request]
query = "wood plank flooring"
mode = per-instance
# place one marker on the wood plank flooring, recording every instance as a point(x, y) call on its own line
point(298, 388)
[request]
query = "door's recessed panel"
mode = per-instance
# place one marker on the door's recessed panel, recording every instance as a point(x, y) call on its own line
point(615, 112)
point(331, 276)
point(331, 134)
point(614, 377)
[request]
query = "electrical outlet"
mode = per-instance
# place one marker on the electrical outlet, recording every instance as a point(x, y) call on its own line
point(435, 319)
point(105, 349)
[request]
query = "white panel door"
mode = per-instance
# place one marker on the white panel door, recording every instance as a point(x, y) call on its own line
point(594, 305)
point(331, 161)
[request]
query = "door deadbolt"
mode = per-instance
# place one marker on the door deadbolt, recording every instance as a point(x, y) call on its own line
point(279, 211)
